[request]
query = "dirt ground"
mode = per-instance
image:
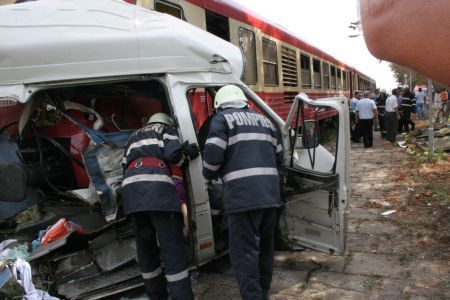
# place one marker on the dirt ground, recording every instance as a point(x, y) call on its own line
point(401, 256)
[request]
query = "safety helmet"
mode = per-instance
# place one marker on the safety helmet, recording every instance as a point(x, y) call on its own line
point(230, 96)
point(161, 118)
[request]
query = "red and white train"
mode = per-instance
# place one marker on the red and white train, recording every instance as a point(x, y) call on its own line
point(279, 64)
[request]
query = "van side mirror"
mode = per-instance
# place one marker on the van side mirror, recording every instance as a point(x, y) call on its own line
point(310, 134)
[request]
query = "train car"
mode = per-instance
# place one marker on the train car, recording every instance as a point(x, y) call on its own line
point(279, 64)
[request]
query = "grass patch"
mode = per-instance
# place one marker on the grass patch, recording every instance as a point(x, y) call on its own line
point(426, 157)
point(373, 281)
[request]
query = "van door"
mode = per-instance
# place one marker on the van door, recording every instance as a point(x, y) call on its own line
point(316, 174)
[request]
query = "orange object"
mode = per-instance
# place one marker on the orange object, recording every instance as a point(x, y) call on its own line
point(60, 229)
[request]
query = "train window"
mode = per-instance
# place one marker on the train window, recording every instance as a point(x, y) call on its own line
point(289, 67)
point(305, 64)
point(317, 73)
point(333, 77)
point(344, 78)
point(247, 43)
point(270, 61)
point(169, 8)
point(217, 25)
point(326, 75)
point(339, 79)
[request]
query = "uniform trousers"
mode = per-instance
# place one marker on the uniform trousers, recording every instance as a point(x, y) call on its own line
point(251, 244)
point(151, 227)
point(390, 120)
point(367, 131)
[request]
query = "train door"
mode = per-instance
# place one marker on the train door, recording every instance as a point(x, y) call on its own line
point(316, 175)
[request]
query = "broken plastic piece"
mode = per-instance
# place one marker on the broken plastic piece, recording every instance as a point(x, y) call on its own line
point(388, 212)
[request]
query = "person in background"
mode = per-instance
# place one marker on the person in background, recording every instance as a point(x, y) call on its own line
point(354, 127)
point(391, 116)
point(406, 107)
point(150, 200)
point(381, 105)
point(252, 187)
point(420, 103)
point(178, 181)
point(366, 112)
point(444, 98)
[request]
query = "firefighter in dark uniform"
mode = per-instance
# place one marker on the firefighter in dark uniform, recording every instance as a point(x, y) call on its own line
point(381, 105)
point(244, 148)
point(150, 200)
point(407, 104)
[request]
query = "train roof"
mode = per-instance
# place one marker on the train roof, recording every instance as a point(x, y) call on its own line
point(73, 39)
point(236, 11)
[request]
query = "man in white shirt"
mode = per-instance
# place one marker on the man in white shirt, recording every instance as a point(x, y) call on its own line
point(366, 112)
point(391, 116)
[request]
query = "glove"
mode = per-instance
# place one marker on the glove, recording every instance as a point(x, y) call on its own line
point(190, 150)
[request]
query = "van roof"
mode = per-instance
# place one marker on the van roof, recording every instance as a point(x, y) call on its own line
point(56, 40)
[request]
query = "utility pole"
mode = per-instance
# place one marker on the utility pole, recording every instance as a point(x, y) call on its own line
point(411, 88)
point(430, 119)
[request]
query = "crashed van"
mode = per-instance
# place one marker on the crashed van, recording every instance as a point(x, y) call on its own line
point(77, 77)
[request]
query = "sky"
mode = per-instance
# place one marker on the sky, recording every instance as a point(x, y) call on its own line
point(324, 24)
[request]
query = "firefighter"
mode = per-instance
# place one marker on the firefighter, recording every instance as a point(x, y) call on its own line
point(244, 148)
point(407, 105)
point(150, 200)
point(381, 105)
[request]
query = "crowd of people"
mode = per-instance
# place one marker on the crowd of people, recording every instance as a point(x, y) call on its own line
point(390, 114)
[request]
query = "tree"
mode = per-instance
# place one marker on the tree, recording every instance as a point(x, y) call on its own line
point(402, 75)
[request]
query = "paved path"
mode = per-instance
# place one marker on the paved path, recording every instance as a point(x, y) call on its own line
point(380, 263)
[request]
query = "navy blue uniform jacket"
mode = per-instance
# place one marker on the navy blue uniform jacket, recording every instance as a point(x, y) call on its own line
point(151, 188)
point(243, 148)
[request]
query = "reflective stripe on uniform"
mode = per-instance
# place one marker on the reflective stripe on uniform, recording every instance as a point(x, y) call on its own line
point(146, 142)
point(217, 141)
point(211, 167)
point(150, 275)
point(124, 160)
point(252, 137)
point(179, 276)
point(169, 137)
point(146, 177)
point(249, 172)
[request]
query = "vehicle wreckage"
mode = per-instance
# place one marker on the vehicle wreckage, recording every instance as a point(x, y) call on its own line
point(76, 78)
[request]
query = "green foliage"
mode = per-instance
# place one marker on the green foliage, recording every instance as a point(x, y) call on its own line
point(427, 157)
point(401, 73)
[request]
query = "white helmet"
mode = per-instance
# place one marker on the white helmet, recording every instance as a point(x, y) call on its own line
point(161, 118)
point(230, 96)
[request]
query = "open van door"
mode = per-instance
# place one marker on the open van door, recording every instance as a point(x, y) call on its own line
point(316, 174)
